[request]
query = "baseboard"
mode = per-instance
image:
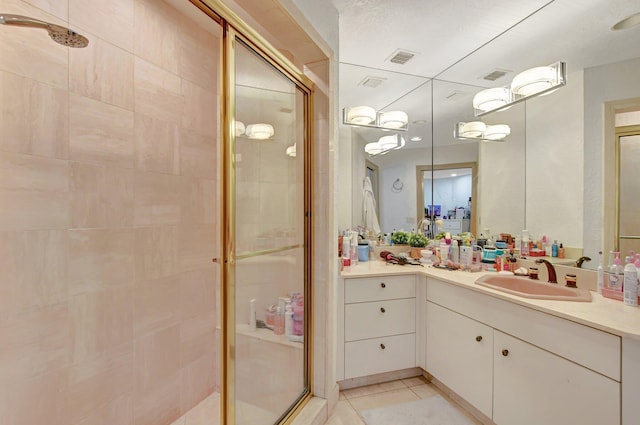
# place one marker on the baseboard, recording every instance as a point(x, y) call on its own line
point(379, 378)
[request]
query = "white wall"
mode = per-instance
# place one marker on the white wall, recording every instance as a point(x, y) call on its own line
point(601, 84)
point(450, 192)
point(554, 169)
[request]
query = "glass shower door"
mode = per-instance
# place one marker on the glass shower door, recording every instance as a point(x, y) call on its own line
point(269, 277)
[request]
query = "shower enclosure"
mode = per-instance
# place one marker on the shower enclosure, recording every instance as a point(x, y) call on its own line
point(123, 173)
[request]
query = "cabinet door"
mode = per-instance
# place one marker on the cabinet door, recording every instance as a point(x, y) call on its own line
point(459, 353)
point(533, 387)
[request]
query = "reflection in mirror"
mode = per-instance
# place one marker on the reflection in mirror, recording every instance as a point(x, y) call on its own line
point(628, 228)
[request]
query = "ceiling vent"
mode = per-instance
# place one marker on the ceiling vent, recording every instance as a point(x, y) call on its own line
point(495, 74)
point(401, 57)
point(371, 82)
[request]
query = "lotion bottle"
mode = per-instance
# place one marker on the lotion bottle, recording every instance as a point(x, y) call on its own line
point(288, 320)
point(615, 272)
point(630, 284)
point(600, 273)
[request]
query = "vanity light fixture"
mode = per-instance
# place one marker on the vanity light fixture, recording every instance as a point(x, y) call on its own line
point(366, 116)
point(477, 130)
point(536, 81)
point(416, 139)
point(385, 144)
point(260, 131)
point(393, 119)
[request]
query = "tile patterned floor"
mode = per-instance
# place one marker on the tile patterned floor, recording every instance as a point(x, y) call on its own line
point(352, 402)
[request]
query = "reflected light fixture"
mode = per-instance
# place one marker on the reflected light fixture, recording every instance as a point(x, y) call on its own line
point(291, 151)
point(240, 128)
point(361, 115)
point(393, 119)
point(260, 131)
point(416, 139)
point(628, 22)
point(477, 130)
point(385, 144)
point(537, 81)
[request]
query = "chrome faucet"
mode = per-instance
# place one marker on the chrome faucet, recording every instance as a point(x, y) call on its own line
point(550, 270)
point(581, 260)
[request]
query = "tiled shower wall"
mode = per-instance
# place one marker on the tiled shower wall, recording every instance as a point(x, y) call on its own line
point(108, 215)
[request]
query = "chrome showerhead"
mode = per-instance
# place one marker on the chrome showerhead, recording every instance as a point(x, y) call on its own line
point(59, 34)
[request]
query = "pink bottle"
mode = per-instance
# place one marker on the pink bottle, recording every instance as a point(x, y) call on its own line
point(278, 323)
point(298, 317)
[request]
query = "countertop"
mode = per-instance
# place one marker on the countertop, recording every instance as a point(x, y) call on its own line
point(601, 313)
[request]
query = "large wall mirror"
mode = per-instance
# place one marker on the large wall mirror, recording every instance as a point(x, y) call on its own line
point(549, 175)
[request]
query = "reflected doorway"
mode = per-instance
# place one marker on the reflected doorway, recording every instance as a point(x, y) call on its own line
point(628, 205)
point(447, 193)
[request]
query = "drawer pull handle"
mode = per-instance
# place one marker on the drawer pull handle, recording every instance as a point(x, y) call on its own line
point(382, 285)
point(479, 338)
point(505, 352)
point(382, 346)
point(382, 310)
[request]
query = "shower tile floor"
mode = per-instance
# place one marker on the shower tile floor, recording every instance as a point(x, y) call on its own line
point(207, 412)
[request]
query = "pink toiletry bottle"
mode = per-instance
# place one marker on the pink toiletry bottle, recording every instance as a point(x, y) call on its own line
point(298, 317)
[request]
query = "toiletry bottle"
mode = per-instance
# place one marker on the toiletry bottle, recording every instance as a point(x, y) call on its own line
point(517, 245)
point(554, 249)
point(288, 320)
point(524, 250)
point(252, 314)
point(630, 283)
point(615, 270)
point(298, 317)
point(600, 273)
point(560, 251)
point(353, 252)
point(278, 322)
point(455, 252)
point(444, 251)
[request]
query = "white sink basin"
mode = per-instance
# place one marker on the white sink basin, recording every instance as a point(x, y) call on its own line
point(530, 288)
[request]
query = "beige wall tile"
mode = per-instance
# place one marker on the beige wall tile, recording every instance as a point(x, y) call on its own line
point(26, 102)
point(100, 258)
point(156, 304)
point(157, 376)
point(100, 321)
point(200, 109)
point(197, 246)
point(101, 195)
point(37, 190)
point(33, 343)
point(42, 399)
point(55, 7)
point(100, 133)
point(200, 201)
point(158, 199)
point(158, 145)
point(156, 30)
point(198, 297)
point(198, 156)
point(33, 269)
point(157, 92)
point(101, 388)
point(110, 20)
point(199, 53)
point(197, 381)
point(30, 52)
point(156, 252)
point(102, 72)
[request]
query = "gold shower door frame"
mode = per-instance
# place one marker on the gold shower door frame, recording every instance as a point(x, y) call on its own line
point(235, 29)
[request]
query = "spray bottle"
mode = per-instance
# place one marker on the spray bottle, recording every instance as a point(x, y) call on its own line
point(630, 283)
point(600, 273)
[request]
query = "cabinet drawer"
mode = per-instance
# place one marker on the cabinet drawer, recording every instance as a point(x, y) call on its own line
point(368, 357)
point(382, 318)
point(379, 288)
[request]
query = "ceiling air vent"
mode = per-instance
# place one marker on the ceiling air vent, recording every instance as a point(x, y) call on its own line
point(495, 74)
point(401, 57)
point(371, 82)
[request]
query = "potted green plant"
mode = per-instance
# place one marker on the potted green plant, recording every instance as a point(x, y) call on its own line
point(400, 238)
point(417, 241)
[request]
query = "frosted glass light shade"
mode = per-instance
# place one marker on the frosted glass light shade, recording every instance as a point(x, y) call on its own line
point(490, 99)
point(240, 128)
point(388, 142)
point(472, 129)
point(393, 119)
point(497, 132)
point(534, 80)
point(373, 148)
point(361, 115)
point(260, 131)
point(291, 151)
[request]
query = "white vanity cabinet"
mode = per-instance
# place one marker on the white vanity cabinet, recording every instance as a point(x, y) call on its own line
point(459, 352)
point(379, 325)
point(541, 370)
point(533, 386)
